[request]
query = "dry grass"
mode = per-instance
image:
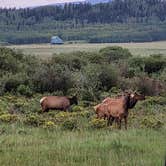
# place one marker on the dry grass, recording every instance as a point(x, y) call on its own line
point(46, 50)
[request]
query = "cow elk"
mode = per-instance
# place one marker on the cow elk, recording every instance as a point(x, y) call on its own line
point(57, 102)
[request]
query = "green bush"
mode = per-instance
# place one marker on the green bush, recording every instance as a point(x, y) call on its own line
point(61, 116)
point(151, 122)
point(115, 53)
point(98, 123)
point(10, 82)
point(154, 101)
point(154, 64)
point(10, 60)
point(24, 90)
point(70, 124)
point(151, 64)
point(147, 85)
point(8, 118)
point(108, 77)
point(72, 61)
point(50, 78)
point(33, 120)
point(49, 125)
point(77, 109)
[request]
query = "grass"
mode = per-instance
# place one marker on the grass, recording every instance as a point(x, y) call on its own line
point(21, 145)
point(46, 50)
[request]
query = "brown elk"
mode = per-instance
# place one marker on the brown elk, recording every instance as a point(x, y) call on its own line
point(117, 108)
point(57, 102)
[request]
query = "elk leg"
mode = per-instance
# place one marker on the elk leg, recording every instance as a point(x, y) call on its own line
point(125, 118)
point(119, 121)
point(110, 120)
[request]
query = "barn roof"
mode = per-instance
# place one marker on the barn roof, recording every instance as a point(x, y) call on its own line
point(56, 40)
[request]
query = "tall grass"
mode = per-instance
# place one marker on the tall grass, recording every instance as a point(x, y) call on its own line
point(21, 145)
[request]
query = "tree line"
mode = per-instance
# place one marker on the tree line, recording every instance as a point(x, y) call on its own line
point(115, 11)
point(42, 22)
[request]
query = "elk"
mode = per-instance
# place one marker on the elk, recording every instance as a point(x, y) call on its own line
point(57, 102)
point(117, 108)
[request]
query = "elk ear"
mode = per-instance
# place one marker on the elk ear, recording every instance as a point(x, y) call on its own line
point(135, 91)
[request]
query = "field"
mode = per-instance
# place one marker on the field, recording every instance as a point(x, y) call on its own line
point(23, 146)
point(76, 137)
point(29, 139)
point(46, 50)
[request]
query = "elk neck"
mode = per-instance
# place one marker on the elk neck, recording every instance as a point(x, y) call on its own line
point(132, 103)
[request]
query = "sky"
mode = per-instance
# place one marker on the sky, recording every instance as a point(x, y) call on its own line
point(30, 3)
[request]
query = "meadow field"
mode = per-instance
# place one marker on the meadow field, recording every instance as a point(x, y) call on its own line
point(26, 146)
point(47, 50)
point(29, 137)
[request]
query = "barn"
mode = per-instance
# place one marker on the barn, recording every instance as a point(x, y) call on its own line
point(56, 40)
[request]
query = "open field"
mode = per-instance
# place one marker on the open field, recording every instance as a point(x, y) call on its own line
point(30, 137)
point(42, 141)
point(25, 146)
point(46, 50)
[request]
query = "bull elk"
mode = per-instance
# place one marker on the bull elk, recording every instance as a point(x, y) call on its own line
point(117, 108)
point(57, 102)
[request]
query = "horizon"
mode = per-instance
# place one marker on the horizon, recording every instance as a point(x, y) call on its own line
point(31, 3)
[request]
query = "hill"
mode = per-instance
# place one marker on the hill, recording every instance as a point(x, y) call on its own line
point(116, 21)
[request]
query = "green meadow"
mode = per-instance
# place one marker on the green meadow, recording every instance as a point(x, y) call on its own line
point(47, 50)
point(22, 145)
point(76, 137)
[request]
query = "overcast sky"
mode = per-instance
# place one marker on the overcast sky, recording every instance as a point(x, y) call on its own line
point(30, 3)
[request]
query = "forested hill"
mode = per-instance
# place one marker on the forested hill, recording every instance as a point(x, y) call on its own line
point(68, 20)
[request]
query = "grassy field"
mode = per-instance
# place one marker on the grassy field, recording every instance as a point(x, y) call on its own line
point(23, 146)
point(46, 50)
point(77, 138)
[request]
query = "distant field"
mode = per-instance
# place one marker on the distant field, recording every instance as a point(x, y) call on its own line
point(46, 50)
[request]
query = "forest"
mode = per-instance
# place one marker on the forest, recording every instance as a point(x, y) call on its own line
point(84, 21)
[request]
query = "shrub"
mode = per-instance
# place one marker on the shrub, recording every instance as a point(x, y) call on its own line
point(49, 125)
point(103, 95)
point(149, 64)
point(50, 78)
point(136, 64)
point(98, 123)
point(77, 109)
point(8, 118)
point(151, 122)
point(155, 100)
point(94, 58)
point(72, 61)
point(33, 120)
point(24, 90)
point(70, 124)
point(10, 82)
point(108, 77)
point(10, 60)
point(148, 86)
point(115, 53)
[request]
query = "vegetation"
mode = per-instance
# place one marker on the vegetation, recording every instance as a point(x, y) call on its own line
point(87, 74)
point(136, 21)
point(46, 51)
point(76, 137)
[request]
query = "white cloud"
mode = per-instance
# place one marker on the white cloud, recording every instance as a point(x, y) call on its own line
point(30, 3)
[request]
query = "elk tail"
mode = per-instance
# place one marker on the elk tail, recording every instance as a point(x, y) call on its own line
point(42, 99)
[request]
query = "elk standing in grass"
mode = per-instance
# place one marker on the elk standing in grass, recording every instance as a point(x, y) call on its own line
point(57, 102)
point(117, 108)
